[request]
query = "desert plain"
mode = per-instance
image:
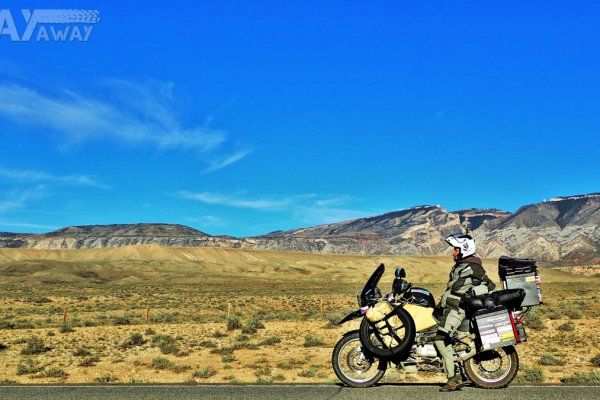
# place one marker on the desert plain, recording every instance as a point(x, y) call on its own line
point(152, 314)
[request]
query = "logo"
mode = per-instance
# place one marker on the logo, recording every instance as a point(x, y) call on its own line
point(48, 25)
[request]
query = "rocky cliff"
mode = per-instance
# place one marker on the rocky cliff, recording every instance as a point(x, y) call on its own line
point(564, 228)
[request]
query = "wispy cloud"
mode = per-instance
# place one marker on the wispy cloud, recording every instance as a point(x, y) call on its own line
point(40, 176)
point(235, 201)
point(304, 208)
point(222, 163)
point(28, 226)
point(15, 199)
point(126, 112)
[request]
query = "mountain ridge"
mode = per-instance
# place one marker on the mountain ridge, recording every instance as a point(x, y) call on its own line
point(564, 229)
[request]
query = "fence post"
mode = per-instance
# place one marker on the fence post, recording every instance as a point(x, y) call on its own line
point(321, 307)
point(147, 314)
point(65, 316)
point(228, 310)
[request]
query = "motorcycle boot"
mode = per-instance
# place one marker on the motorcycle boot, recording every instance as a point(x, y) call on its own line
point(454, 383)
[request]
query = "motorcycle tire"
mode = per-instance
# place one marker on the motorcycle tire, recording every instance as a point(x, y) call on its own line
point(493, 369)
point(370, 339)
point(353, 365)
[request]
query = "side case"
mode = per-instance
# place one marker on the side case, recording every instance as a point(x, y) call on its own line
point(494, 328)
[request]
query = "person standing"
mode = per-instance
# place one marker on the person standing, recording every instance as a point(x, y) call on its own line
point(467, 276)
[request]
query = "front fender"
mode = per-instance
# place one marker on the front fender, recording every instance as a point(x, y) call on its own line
point(353, 315)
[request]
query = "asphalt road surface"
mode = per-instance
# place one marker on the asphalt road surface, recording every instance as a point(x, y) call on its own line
point(290, 392)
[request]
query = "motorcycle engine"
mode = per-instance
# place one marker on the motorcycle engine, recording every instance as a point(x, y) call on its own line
point(426, 350)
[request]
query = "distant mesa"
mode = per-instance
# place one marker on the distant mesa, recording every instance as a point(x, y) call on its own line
point(564, 229)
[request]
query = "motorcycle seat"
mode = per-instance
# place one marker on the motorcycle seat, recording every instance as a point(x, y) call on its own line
point(509, 298)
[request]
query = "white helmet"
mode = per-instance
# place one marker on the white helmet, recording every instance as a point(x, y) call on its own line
point(463, 242)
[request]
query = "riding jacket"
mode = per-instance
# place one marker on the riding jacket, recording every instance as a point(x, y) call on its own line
point(466, 276)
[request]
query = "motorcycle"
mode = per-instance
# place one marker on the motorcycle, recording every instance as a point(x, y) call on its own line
point(399, 329)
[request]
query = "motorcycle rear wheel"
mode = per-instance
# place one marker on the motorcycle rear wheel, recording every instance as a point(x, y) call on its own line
point(353, 365)
point(493, 369)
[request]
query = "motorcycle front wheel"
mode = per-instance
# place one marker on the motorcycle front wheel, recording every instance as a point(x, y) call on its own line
point(493, 369)
point(353, 365)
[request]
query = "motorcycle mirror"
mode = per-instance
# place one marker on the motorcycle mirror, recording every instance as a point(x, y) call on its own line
point(400, 273)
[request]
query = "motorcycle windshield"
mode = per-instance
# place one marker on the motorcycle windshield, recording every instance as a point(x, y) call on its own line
point(371, 283)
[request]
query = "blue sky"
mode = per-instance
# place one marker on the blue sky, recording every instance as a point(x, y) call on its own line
point(246, 117)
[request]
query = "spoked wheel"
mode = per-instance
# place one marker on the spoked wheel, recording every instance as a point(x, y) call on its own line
point(398, 341)
point(493, 369)
point(353, 365)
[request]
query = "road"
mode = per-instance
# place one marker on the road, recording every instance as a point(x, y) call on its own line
point(289, 392)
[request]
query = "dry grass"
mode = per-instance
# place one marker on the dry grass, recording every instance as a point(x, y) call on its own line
point(186, 295)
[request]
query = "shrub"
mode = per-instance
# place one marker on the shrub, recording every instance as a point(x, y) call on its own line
point(162, 363)
point(149, 332)
point(56, 373)
point(233, 323)
point(308, 373)
point(6, 325)
point(567, 327)
point(209, 344)
point(203, 373)
point(535, 321)
point(23, 325)
point(596, 360)
point(3, 347)
point(121, 320)
point(575, 314)
point(28, 368)
point(134, 339)
point(106, 378)
point(270, 341)
point(89, 361)
point(263, 371)
point(165, 318)
point(242, 338)
point(248, 330)
point(255, 324)
point(290, 364)
point(165, 343)
point(581, 378)
point(278, 377)
point(223, 350)
point(35, 345)
point(81, 352)
point(228, 358)
point(532, 375)
point(66, 328)
point(312, 341)
point(550, 359)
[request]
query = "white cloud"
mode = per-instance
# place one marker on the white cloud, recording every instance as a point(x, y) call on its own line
point(15, 199)
point(323, 215)
point(216, 165)
point(34, 176)
point(28, 226)
point(127, 112)
point(305, 208)
point(235, 201)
